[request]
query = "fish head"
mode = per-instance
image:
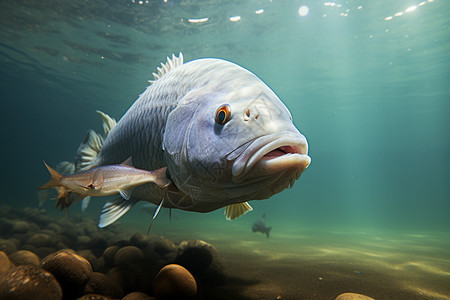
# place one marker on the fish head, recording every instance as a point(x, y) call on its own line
point(234, 142)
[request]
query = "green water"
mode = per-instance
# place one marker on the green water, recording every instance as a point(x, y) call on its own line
point(367, 83)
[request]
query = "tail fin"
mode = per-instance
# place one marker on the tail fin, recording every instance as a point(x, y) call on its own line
point(54, 181)
point(268, 231)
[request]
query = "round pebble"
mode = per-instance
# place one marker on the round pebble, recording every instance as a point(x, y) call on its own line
point(353, 296)
point(40, 240)
point(71, 270)
point(195, 259)
point(174, 282)
point(29, 282)
point(7, 246)
point(108, 254)
point(5, 263)
point(94, 297)
point(100, 284)
point(128, 255)
point(138, 296)
point(139, 240)
point(24, 257)
point(20, 227)
point(97, 244)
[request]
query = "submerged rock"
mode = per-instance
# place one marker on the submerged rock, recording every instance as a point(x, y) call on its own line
point(71, 270)
point(24, 257)
point(195, 259)
point(138, 296)
point(7, 246)
point(29, 282)
point(353, 296)
point(108, 255)
point(5, 264)
point(128, 255)
point(174, 282)
point(20, 227)
point(100, 284)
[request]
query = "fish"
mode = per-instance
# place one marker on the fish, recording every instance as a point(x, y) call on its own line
point(224, 136)
point(101, 181)
point(260, 226)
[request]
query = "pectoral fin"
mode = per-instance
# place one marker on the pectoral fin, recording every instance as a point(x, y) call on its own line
point(126, 194)
point(113, 210)
point(234, 211)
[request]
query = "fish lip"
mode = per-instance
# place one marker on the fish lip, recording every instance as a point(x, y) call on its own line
point(257, 153)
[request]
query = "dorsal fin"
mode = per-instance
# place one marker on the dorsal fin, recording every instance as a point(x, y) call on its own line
point(166, 67)
point(88, 150)
point(108, 123)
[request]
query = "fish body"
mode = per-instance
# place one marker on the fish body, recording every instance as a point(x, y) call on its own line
point(104, 180)
point(221, 132)
point(260, 226)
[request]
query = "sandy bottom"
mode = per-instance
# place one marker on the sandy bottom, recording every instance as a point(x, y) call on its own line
point(312, 263)
point(321, 264)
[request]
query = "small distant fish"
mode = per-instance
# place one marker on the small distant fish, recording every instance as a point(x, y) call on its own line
point(260, 226)
point(103, 181)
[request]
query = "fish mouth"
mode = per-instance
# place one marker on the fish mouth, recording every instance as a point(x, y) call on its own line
point(284, 152)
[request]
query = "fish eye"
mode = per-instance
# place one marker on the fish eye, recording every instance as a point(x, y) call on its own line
point(223, 114)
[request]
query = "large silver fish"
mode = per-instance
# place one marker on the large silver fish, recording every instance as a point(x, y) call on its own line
point(223, 134)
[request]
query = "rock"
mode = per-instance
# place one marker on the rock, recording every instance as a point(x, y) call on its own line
point(108, 255)
point(161, 245)
point(71, 270)
point(97, 244)
point(94, 297)
point(5, 226)
point(125, 280)
point(353, 296)
point(7, 246)
point(20, 227)
point(55, 227)
point(89, 256)
point(138, 296)
point(44, 251)
point(139, 240)
point(5, 263)
point(40, 240)
point(83, 241)
point(174, 282)
point(196, 260)
point(128, 255)
point(29, 282)
point(100, 284)
point(24, 257)
point(170, 257)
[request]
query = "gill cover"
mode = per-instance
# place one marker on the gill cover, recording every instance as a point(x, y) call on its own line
point(194, 148)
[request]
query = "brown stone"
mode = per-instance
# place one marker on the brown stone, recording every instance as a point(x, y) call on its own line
point(29, 282)
point(24, 257)
point(353, 296)
point(174, 282)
